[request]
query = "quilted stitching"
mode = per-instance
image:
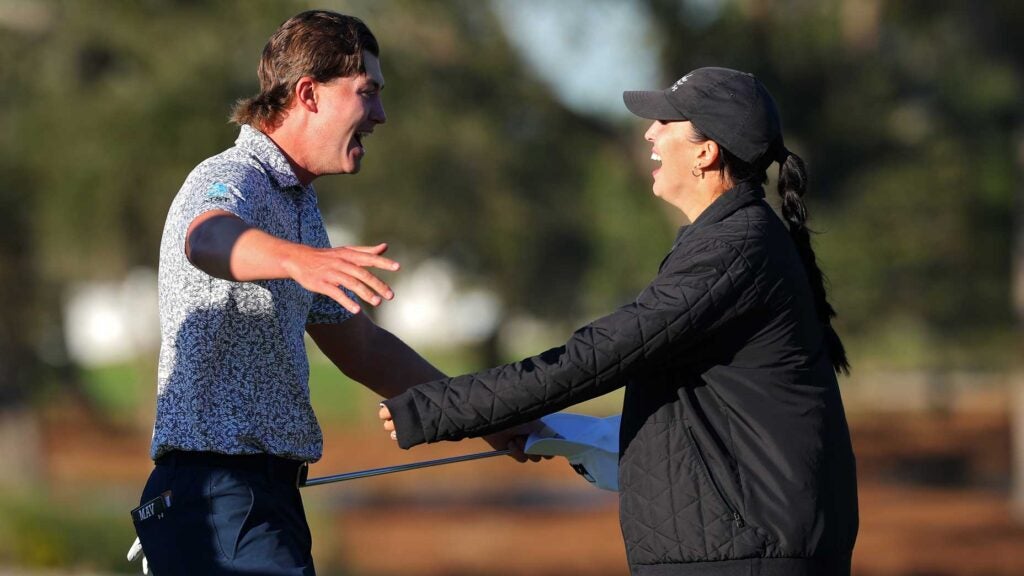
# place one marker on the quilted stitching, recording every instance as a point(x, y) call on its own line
point(733, 268)
point(674, 310)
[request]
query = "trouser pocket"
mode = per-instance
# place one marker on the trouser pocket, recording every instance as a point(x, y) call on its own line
point(157, 520)
point(230, 500)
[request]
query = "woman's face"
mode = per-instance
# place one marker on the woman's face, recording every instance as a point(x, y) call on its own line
point(676, 157)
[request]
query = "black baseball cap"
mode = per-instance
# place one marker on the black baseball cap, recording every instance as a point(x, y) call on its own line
point(733, 108)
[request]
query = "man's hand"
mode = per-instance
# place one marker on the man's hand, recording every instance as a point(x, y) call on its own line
point(512, 439)
point(323, 270)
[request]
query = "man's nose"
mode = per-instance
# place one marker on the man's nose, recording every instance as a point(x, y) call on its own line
point(378, 115)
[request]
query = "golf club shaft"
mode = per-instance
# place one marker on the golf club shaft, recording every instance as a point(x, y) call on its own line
point(400, 468)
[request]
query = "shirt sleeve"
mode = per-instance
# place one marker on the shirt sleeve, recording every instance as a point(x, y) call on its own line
point(221, 186)
point(693, 296)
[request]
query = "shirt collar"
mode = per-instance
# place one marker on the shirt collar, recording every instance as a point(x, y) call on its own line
point(269, 156)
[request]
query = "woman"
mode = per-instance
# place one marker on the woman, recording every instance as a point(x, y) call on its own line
point(735, 456)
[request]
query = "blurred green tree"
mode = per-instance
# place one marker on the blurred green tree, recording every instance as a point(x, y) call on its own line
point(111, 104)
point(106, 106)
point(907, 113)
point(481, 164)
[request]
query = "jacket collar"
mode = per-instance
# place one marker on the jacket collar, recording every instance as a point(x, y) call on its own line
point(269, 156)
point(733, 199)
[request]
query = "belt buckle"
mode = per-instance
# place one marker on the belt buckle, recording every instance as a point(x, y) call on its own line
point(301, 474)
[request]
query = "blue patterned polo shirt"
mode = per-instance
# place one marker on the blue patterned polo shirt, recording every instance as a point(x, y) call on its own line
point(233, 374)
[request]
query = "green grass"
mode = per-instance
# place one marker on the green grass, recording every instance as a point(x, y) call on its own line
point(80, 531)
point(120, 389)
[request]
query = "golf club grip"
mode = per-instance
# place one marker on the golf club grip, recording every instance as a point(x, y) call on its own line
point(400, 468)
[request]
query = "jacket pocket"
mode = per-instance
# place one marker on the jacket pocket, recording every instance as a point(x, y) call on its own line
point(737, 518)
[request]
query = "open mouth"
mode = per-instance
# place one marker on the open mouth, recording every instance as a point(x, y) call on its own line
point(359, 137)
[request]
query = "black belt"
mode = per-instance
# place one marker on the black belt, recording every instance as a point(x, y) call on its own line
point(291, 471)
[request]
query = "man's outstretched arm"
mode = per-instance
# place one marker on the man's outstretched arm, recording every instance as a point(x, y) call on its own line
point(223, 245)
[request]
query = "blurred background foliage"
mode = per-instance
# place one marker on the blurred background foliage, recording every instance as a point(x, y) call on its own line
point(908, 113)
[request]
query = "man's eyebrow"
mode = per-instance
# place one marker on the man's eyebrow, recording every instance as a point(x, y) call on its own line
point(370, 82)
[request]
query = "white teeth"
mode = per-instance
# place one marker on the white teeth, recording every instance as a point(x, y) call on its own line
point(655, 157)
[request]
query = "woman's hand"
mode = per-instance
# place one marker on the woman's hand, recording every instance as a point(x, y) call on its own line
point(389, 424)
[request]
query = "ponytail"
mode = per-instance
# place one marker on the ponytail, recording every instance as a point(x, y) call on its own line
point(263, 111)
point(792, 186)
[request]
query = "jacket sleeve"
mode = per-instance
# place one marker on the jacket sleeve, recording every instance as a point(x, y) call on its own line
point(696, 291)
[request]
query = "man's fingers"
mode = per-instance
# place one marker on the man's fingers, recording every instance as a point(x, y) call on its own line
point(339, 296)
point(353, 277)
point(355, 285)
point(355, 255)
point(384, 413)
point(328, 270)
point(377, 250)
point(521, 443)
point(332, 289)
point(515, 449)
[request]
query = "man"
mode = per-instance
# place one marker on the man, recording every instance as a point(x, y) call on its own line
point(245, 269)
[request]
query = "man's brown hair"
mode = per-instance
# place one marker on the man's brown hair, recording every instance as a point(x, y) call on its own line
point(318, 43)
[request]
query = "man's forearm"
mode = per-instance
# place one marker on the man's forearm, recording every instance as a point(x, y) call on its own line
point(373, 356)
point(402, 366)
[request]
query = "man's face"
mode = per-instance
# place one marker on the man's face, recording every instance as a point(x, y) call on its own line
point(348, 111)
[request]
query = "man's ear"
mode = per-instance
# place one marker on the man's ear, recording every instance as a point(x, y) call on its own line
point(305, 93)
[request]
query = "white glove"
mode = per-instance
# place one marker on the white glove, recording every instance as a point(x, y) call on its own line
point(135, 552)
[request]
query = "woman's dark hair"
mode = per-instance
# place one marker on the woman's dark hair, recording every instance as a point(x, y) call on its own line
point(318, 43)
point(792, 186)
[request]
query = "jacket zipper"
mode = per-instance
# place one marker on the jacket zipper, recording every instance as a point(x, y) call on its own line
point(721, 495)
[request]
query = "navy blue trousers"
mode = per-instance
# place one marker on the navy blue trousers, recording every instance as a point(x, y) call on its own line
point(227, 515)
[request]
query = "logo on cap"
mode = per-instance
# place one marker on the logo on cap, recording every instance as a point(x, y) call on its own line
point(679, 83)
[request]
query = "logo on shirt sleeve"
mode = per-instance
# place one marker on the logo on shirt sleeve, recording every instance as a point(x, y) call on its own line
point(218, 191)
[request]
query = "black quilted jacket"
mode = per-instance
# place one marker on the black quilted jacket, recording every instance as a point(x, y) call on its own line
point(735, 456)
